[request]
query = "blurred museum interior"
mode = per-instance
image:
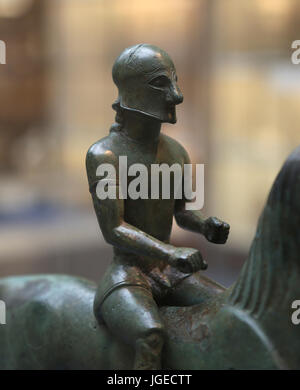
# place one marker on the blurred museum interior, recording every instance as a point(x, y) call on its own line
point(240, 117)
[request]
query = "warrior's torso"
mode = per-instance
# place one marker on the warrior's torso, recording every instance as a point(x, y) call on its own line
point(152, 216)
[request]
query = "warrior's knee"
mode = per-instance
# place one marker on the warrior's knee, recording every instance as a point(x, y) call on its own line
point(148, 349)
point(153, 337)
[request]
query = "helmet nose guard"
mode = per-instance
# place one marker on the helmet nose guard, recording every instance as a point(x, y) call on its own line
point(174, 96)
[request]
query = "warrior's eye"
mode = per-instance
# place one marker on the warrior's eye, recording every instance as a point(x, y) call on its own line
point(160, 81)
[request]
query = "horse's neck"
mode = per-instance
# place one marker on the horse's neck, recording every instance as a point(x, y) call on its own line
point(265, 291)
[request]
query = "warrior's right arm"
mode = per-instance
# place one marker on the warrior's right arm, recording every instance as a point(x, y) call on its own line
point(110, 215)
point(119, 233)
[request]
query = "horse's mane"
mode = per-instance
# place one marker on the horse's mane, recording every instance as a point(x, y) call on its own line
point(272, 270)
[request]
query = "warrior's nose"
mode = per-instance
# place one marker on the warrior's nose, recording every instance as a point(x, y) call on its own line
point(179, 97)
point(175, 95)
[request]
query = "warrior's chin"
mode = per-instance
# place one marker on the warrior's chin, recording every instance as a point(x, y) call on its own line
point(172, 120)
point(172, 116)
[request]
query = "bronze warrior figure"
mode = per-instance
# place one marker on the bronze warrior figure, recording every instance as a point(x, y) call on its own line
point(153, 307)
point(146, 271)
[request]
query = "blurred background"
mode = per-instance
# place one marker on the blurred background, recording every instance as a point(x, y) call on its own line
point(240, 117)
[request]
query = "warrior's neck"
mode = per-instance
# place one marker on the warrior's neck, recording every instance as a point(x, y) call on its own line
point(141, 128)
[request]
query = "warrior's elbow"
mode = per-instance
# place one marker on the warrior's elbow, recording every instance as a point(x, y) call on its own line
point(113, 236)
point(180, 218)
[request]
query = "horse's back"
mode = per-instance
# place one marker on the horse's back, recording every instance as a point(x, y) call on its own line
point(50, 325)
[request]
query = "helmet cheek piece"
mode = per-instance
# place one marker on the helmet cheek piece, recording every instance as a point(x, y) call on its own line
point(148, 101)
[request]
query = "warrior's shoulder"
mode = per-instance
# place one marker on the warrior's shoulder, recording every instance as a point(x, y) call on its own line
point(172, 144)
point(101, 152)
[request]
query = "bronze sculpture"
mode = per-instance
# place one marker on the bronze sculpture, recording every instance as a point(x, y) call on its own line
point(153, 298)
point(146, 269)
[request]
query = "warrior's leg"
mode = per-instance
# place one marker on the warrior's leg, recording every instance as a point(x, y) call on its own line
point(193, 290)
point(132, 316)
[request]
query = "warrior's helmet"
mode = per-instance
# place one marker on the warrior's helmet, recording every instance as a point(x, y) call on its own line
point(146, 78)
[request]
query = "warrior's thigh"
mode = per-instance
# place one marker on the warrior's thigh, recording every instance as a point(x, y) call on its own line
point(193, 290)
point(131, 313)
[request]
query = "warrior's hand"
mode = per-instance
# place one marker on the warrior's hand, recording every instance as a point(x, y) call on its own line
point(187, 260)
point(216, 231)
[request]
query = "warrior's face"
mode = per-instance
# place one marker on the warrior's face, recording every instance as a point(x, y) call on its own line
point(147, 82)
